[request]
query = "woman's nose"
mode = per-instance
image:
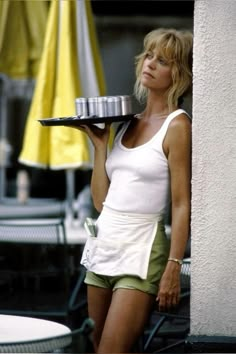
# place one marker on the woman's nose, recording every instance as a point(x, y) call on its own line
point(152, 63)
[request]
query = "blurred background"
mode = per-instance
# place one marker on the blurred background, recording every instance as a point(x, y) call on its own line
point(120, 30)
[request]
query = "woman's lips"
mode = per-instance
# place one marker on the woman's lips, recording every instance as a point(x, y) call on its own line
point(145, 73)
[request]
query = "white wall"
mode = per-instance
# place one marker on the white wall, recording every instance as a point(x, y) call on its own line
point(213, 303)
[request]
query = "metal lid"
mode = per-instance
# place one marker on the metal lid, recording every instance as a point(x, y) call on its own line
point(92, 99)
point(102, 98)
point(113, 98)
point(81, 99)
point(125, 97)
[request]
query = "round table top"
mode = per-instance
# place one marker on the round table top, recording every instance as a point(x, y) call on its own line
point(20, 329)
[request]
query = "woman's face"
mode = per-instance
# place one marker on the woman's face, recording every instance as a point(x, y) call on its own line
point(156, 72)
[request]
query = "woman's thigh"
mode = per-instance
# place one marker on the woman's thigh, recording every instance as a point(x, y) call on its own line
point(128, 313)
point(99, 300)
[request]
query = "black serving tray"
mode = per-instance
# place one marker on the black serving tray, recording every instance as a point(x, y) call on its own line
point(77, 120)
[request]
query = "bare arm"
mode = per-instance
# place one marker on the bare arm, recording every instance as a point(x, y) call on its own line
point(99, 181)
point(177, 146)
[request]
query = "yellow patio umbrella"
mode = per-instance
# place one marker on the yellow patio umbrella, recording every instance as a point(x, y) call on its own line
point(22, 30)
point(59, 82)
point(70, 67)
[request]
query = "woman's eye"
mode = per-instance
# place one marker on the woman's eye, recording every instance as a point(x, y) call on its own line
point(162, 61)
point(149, 55)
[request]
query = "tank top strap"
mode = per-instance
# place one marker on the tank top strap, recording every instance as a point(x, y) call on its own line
point(170, 117)
point(120, 130)
point(162, 131)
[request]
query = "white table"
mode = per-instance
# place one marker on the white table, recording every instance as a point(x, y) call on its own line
point(26, 334)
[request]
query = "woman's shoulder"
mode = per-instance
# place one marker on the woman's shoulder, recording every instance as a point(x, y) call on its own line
point(180, 119)
point(179, 128)
point(179, 113)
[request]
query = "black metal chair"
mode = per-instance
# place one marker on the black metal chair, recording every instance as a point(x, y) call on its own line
point(77, 341)
point(37, 262)
point(34, 208)
point(168, 331)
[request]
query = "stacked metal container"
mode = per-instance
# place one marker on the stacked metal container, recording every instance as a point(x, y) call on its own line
point(103, 106)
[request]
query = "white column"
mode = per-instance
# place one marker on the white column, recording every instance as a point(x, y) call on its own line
point(213, 302)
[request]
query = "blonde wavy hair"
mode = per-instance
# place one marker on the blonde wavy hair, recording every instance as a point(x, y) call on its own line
point(175, 46)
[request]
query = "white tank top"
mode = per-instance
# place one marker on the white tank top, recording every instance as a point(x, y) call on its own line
point(139, 177)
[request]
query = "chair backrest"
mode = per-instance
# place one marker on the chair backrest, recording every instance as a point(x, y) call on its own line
point(185, 275)
point(170, 327)
point(36, 208)
point(43, 231)
point(39, 270)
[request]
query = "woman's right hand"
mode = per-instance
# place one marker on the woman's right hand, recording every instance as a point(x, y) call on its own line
point(99, 137)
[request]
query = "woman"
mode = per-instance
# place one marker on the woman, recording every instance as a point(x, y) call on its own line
point(130, 262)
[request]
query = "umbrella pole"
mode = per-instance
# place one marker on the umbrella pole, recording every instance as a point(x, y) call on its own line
point(70, 194)
point(3, 134)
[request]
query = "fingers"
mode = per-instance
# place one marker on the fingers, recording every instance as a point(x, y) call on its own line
point(167, 302)
point(175, 300)
point(80, 127)
point(92, 129)
point(107, 126)
point(99, 137)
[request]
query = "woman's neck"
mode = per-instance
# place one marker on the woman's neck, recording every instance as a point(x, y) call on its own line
point(157, 111)
point(157, 104)
point(157, 108)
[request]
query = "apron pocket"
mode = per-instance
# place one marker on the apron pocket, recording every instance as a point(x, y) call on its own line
point(114, 258)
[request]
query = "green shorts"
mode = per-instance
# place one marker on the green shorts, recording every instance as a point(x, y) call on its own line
point(157, 264)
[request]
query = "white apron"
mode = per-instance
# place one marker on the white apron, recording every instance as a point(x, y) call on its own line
point(123, 244)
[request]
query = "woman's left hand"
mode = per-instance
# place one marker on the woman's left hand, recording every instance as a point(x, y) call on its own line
point(169, 289)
